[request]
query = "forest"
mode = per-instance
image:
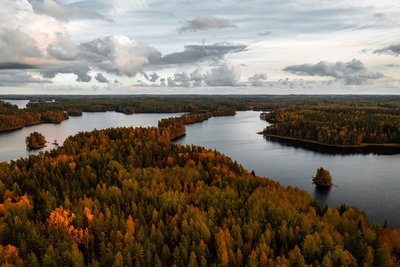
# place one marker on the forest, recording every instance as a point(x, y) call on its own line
point(131, 197)
point(331, 119)
point(12, 118)
point(341, 123)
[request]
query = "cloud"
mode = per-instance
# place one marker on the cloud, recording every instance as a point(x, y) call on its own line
point(151, 77)
point(63, 48)
point(200, 53)
point(16, 77)
point(16, 45)
point(197, 77)
point(265, 33)
point(101, 78)
point(205, 23)
point(118, 54)
point(225, 75)
point(29, 38)
point(389, 50)
point(81, 70)
point(258, 79)
point(351, 73)
point(179, 80)
point(16, 66)
point(65, 13)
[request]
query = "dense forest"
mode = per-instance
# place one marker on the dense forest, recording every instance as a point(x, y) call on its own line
point(12, 118)
point(192, 103)
point(130, 197)
point(338, 123)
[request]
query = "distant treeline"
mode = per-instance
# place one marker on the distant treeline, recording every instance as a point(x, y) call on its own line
point(338, 123)
point(191, 103)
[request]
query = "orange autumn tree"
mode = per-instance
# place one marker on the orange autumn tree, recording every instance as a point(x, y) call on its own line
point(61, 220)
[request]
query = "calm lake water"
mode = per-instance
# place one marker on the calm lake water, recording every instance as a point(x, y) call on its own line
point(12, 145)
point(370, 182)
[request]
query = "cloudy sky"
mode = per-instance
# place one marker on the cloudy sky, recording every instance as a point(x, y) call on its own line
point(208, 46)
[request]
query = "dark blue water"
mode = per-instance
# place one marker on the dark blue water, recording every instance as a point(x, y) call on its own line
point(370, 182)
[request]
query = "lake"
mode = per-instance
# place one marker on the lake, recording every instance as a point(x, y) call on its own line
point(370, 182)
point(12, 144)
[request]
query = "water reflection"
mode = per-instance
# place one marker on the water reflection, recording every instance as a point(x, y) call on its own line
point(332, 150)
point(322, 193)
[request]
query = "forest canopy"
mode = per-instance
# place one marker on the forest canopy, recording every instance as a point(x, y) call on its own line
point(337, 123)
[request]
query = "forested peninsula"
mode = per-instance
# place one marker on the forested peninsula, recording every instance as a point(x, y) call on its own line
point(368, 126)
point(12, 118)
point(131, 197)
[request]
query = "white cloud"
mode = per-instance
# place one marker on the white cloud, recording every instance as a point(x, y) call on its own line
point(225, 75)
point(118, 54)
point(26, 37)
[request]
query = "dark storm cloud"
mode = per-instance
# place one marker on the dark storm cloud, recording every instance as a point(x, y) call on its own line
point(205, 23)
point(65, 13)
point(351, 73)
point(389, 50)
point(200, 53)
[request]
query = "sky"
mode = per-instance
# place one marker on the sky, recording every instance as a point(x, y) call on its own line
point(199, 47)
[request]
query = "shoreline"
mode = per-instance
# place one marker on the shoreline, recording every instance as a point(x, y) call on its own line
point(387, 149)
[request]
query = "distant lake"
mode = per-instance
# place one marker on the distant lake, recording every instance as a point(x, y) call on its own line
point(370, 182)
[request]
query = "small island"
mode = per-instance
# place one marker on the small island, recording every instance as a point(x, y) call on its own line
point(323, 178)
point(35, 141)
